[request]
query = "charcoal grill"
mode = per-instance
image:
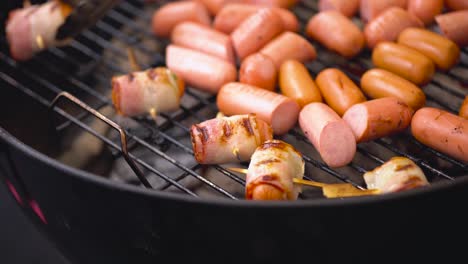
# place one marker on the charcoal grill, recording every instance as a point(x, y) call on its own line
point(160, 204)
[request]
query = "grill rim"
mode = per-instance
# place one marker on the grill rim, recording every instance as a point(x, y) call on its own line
point(437, 187)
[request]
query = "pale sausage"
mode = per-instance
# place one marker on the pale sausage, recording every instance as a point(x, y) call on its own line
point(425, 10)
point(330, 135)
point(277, 110)
point(348, 7)
point(370, 9)
point(454, 25)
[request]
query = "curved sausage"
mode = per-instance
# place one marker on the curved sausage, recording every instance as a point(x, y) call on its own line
point(330, 135)
point(169, 15)
point(370, 9)
point(289, 46)
point(403, 61)
point(338, 90)
point(457, 4)
point(228, 139)
point(348, 8)
point(378, 118)
point(277, 110)
point(271, 171)
point(140, 92)
point(232, 15)
point(207, 40)
point(442, 131)
point(425, 10)
point(388, 25)
point(256, 31)
point(441, 50)
point(454, 26)
point(346, 39)
point(463, 112)
point(396, 175)
point(258, 70)
point(378, 83)
point(205, 72)
point(295, 82)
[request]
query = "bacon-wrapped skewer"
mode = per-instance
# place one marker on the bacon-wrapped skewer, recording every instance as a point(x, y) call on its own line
point(397, 174)
point(228, 139)
point(34, 28)
point(272, 170)
point(150, 91)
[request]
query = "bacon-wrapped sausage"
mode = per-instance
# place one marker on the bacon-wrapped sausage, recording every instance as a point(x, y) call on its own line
point(32, 29)
point(397, 174)
point(228, 139)
point(271, 171)
point(157, 89)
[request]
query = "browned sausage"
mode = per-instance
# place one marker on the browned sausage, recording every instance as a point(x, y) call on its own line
point(256, 31)
point(346, 39)
point(403, 61)
point(463, 112)
point(441, 50)
point(457, 4)
point(277, 110)
point(388, 25)
point(231, 15)
point(203, 71)
point(288, 46)
point(454, 25)
point(208, 40)
point(442, 131)
point(348, 8)
point(339, 92)
point(378, 83)
point(329, 134)
point(258, 70)
point(425, 10)
point(295, 82)
point(168, 16)
point(370, 9)
point(378, 118)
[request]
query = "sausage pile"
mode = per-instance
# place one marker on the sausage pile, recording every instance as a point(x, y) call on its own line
point(251, 55)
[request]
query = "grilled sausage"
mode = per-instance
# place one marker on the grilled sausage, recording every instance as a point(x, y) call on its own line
point(169, 15)
point(274, 3)
point(378, 83)
point(456, 4)
point(271, 171)
point(228, 139)
point(347, 39)
point(289, 46)
point(370, 9)
point(378, 118)
point(256, 31)
point(339, 92)
point(403, 61)
point(258, 70)
point(454, 26)
point(205, 72)
point(330, 135)
point(156, 89)
point(232, 15)
point(396, 175)
point(425, 10)
point(441, 50)
point(32, 29)
point(388, 25)
point(295, 82)
point(348, 8)
point(463, 112)
point(277, 110)
point(207, 40)
point(442, 131)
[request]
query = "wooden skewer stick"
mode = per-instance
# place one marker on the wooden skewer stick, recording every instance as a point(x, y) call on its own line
point(335, 190)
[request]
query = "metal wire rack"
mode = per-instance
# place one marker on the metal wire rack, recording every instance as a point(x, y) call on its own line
point(83, 70)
